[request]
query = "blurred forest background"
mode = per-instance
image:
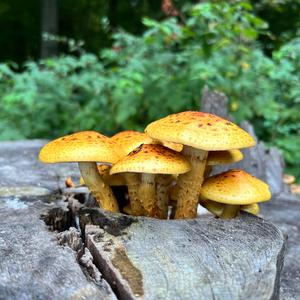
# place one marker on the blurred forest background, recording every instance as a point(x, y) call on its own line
point(110, 65)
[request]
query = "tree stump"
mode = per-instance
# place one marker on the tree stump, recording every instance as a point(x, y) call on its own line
point(204, 258)
point(125, 257)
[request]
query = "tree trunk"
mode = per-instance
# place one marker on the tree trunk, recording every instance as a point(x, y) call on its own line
point(49, 25)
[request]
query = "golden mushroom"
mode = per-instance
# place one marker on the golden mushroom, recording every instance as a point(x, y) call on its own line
point(87, 148)
point(234, 188)
point(148, 160)
point(288, 179)
point(126, 141)
point(199, 133)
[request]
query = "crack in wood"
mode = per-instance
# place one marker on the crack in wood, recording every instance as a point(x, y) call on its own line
point(110, 223)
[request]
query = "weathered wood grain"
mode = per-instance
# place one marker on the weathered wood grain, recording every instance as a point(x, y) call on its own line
point(32, 264)
point(205, 258)
point(214, 102)
point(22, 174)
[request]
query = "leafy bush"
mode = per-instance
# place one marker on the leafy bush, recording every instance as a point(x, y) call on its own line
point(142, 78)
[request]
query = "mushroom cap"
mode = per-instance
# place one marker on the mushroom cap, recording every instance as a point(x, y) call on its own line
point(288, 179)
point(128, 140)
point(200, 130)
point(84, 146)
point(224, 157)
point(235, 187)
point(152, 159)
point(295, 188)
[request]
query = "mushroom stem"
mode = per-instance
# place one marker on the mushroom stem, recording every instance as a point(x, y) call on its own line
point(162, 195)
point(172, 201)
point(189, 184)
point(147, 193)
point(230, 211)
point(251, 208)
point(133, 182)
point(214, 207)
point(99, 189)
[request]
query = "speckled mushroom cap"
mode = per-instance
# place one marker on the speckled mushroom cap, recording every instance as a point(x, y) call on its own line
point(153, 159)
point(224, 157)
point(128, 140)
point(235, 187)
point(84, 146)
point(200, 130)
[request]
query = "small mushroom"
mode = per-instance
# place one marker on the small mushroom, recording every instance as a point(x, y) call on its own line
point(148, 160)
point(234, 188)
point(87, 148)
point(199, 133)
point(126, 141)
point(288, 179)
point(295, 188)
point(69, 182)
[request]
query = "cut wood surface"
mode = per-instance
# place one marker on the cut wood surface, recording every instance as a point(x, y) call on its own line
point(205, 258)
point(22, 174)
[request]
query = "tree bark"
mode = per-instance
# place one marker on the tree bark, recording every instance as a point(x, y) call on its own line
point(49, 24)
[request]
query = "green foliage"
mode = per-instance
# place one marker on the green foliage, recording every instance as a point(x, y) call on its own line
point(142, 78)
point(283, 19)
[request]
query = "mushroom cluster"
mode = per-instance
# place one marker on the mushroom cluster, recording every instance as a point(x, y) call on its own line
point(166, 169)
